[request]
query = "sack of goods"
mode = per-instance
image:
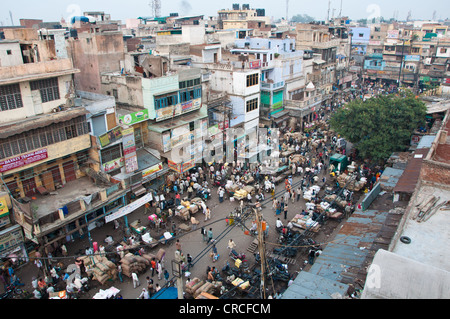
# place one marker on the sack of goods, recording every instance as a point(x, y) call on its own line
point(133, 264)
point(100, 267)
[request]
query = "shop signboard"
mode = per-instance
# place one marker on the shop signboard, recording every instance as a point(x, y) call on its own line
point(111, 136)
point(174, 166)
point(114, 164)
point(255, 64)
point(166, 142)
point(23, 160)
point(188, 165)
point(152, 170)
point(4, 211)
point(133, 118)
point(129, 149)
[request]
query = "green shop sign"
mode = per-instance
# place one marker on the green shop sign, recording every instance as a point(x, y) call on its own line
point(133, 118)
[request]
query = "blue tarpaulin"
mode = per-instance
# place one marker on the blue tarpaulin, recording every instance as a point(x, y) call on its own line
point(166, 293)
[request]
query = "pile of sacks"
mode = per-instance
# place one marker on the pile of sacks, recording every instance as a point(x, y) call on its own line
point(196, 286)
point(100, 267)
point(187, 208)
point(353, 185)
point(133, 264)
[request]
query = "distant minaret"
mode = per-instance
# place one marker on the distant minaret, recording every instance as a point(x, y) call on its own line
point(10, 15)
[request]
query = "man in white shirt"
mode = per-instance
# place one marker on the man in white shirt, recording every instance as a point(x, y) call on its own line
point(279, 224)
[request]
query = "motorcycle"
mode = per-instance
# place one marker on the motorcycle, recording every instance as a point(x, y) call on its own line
point(234, 255)
point(204, 194)
point(11, 290)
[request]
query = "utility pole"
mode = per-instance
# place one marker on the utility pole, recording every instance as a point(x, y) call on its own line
point(261, 251)
point(401, 64)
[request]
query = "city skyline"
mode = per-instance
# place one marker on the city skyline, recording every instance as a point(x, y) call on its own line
point(52, 10)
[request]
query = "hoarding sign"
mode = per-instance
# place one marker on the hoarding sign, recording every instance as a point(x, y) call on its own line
point(23, 160)
point(134, 118)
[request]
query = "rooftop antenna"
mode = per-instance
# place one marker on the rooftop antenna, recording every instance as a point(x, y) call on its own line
point(340, 10)
point(287, 11)
point(328, 13)
point(156, 8)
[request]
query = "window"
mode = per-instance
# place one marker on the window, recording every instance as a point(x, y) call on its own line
point(166, 100)
point(252, 105)
point(111, 154)
point(8, 52)
point(189, 83)
point(443, 50)
point(48, 88)
point(190, 94)
point(10, 97)
point(252, 79)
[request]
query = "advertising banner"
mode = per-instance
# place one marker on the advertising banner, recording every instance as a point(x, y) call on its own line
point(129, 208)
point(111, 136)
point(134, 118)
point(23, 160)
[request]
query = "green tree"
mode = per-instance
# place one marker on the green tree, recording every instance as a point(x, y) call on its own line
point(379, 126)
point(302, 18)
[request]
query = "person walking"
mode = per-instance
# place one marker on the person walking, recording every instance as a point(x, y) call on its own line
point(189, 261)
point(231, 244)
point(210, 235)
point(153, 266)
point(207, 213)
point(299, 193)
point(144, 294)
point(159, 269)
point(311, 256)
point(221, 193)
point(151, 289)
point(204, 234)
point(285, 210)
point(166, 277)
point(178, 245)
point(120, 271)
point(135, 278)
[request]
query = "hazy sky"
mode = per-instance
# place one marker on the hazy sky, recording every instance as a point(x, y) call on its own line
point(54, 10)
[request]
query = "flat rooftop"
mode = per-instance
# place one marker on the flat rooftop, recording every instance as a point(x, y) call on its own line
point(430, 239)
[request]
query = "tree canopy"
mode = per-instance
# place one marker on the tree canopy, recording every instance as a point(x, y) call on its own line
point(380, 125)
point(302, 18)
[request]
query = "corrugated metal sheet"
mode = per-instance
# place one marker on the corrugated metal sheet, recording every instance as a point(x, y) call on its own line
point(342, 261)
point(408, 180)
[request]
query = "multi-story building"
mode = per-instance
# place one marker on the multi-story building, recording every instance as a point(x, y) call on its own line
point(241, 17)
point(169, 98)
point(45, 144)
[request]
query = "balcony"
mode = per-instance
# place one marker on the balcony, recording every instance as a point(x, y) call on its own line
point(34, 71)
point(266, 86)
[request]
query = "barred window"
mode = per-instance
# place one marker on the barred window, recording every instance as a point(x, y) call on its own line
point(111, 153)
point(48, 88)
point(252, 104)
point(10, 97)
point(252, 79)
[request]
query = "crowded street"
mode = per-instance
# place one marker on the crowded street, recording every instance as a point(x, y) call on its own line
point(291, 202)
